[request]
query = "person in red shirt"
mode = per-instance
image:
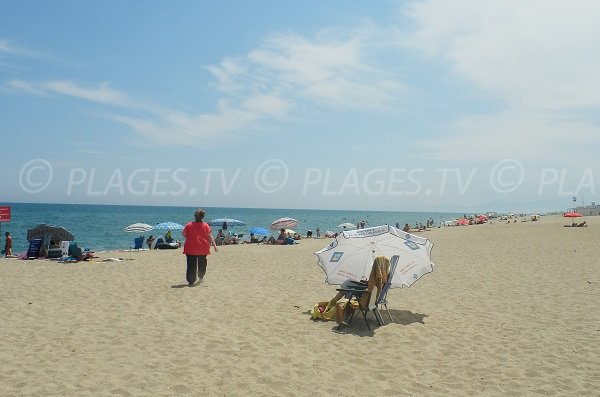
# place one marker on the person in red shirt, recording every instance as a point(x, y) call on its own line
point(198, 240)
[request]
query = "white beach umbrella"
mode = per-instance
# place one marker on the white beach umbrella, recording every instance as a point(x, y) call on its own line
point(138, 228)
point(351, 254)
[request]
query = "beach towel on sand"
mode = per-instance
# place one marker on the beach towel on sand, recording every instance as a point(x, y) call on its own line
point(325, 311)
point(322, 311)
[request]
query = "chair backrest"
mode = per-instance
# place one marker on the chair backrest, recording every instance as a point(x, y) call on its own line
point(34, 248)
point(138, 243)
point(388, 284)
point(74, 250)
point(64, 247)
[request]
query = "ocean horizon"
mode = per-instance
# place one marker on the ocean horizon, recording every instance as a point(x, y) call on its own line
point(99, 227)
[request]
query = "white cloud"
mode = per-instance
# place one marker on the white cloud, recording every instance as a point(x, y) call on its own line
point(226, 74)
point(328, 71)
point(27, 87)
point(200, 130)
point(535, 138)
point(265, 84)
point(8, 48)
point(537, 59)
point(101, 94)
point(537, 54)
point(268, 105)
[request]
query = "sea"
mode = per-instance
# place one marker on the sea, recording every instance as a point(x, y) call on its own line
point(100, 227)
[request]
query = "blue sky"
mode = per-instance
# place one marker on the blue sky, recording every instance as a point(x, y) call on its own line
point(397, 105)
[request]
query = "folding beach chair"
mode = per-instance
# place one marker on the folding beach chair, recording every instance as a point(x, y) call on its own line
point(382, 299)
point(64, 247)
point(138, 243)
point(374, 301)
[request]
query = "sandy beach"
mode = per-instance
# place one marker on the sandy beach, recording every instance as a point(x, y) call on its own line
point(510, 310)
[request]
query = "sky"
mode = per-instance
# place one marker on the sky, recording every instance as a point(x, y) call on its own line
point(395, 105)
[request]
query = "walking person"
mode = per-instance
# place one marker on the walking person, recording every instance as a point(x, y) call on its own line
point(198, 240)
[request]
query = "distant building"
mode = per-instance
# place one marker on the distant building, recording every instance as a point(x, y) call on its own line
point(589, 210)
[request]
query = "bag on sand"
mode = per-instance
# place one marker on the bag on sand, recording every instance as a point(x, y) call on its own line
point(322, 310)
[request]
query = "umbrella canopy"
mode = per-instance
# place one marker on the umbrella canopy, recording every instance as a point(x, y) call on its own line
point(138, 228)
point(462, 222)
point(283, 223)
point(50, 232)
point(572, 215)
point(259, 231)
point(351, 254)
point(229, 221)
point(347, 226)
point(168, 226)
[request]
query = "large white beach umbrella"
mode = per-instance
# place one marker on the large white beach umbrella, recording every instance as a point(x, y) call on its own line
point(351, 254)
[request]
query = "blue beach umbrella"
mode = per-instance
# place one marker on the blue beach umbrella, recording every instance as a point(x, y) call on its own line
point(229, 221)
point(259, 231)
point(168, 226)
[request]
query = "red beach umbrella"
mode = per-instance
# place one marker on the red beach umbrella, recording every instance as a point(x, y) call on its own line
point(572, 215)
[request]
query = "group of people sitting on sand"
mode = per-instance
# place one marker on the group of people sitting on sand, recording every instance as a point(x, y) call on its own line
point(166, 242)
point(284, 238)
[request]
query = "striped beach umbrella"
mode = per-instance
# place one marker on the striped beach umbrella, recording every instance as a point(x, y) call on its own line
point(138, 228)
point(283, 223)
point(49, 232)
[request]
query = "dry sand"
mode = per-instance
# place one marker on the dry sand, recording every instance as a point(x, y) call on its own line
point(510, 310)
